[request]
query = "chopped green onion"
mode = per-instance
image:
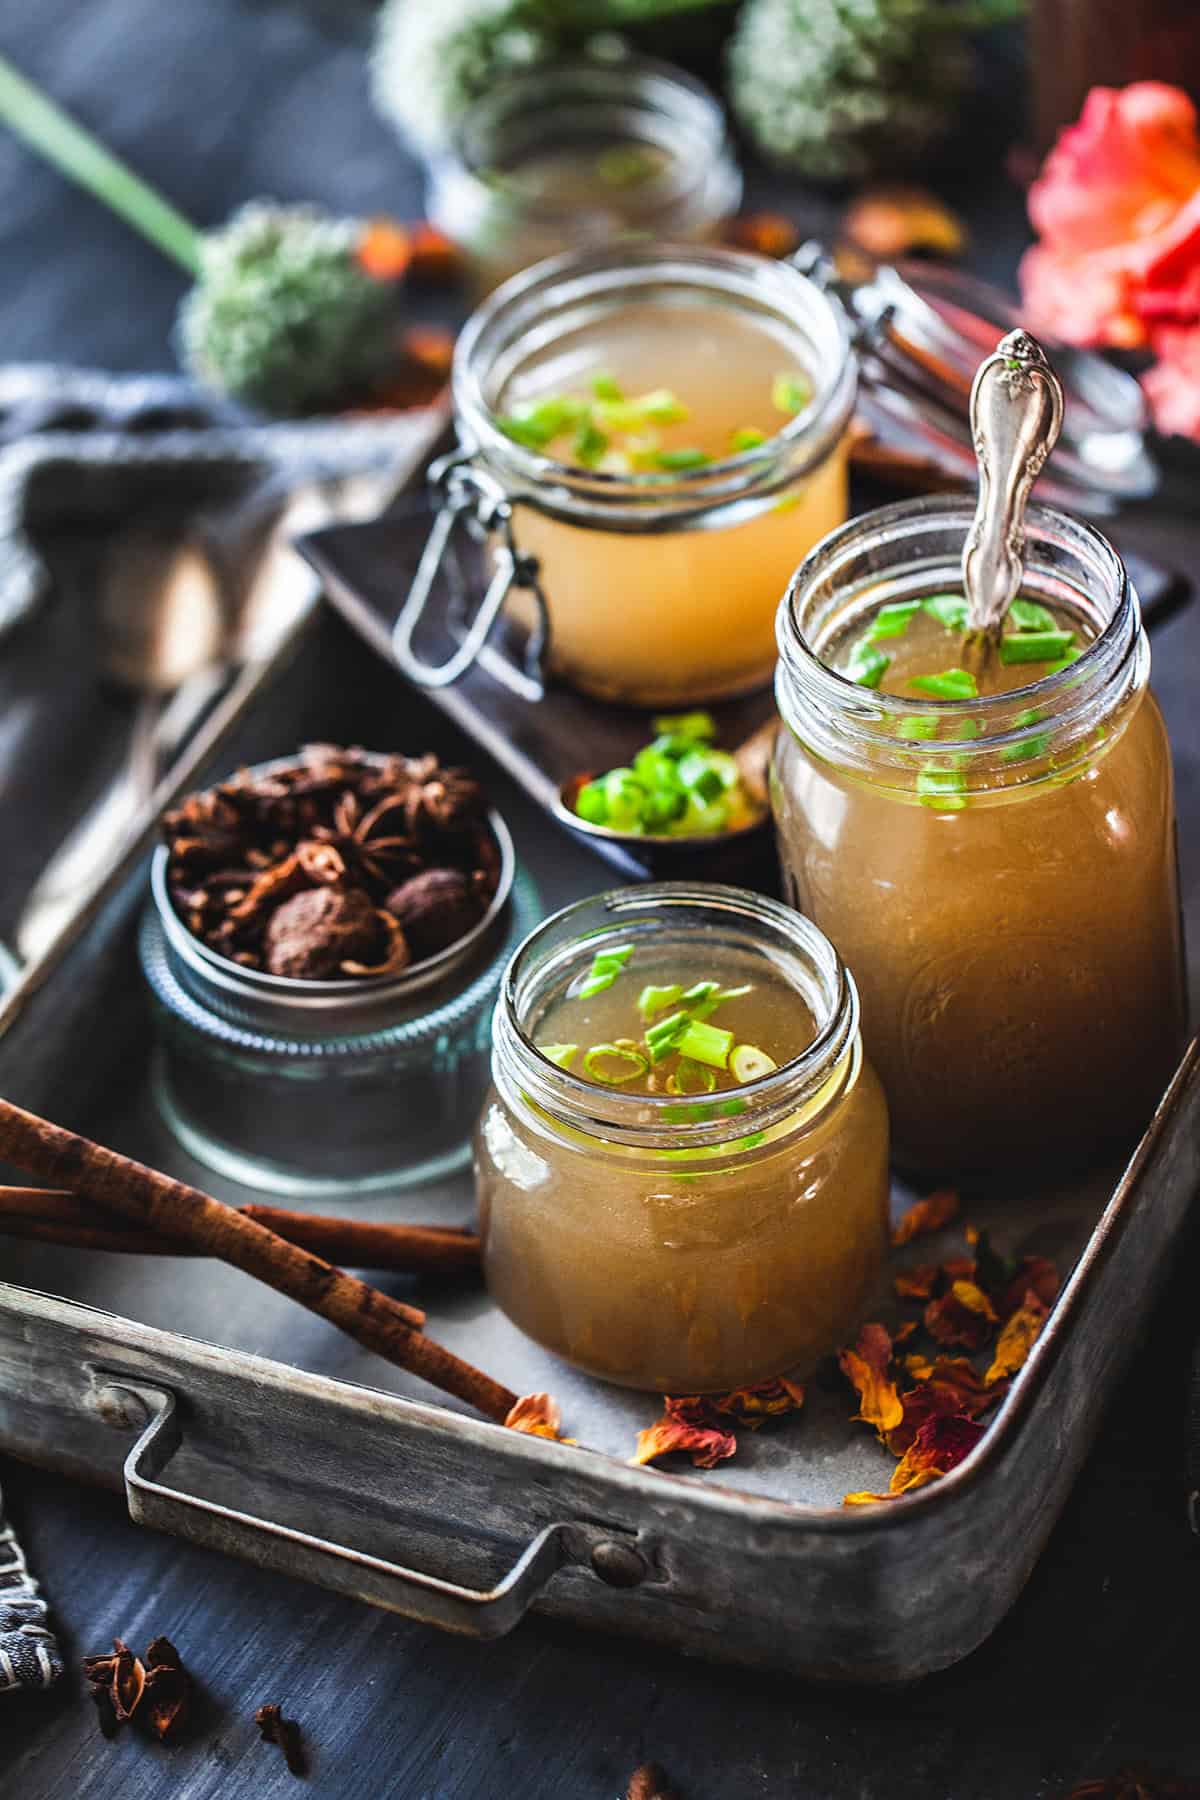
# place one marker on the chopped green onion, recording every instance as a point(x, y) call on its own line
point(591, 804)
point(867, 666)
point(688, 725)
point(949, 610)
point(1035, 646)
point(729, 1109)
point(630, 1064)
point(686, 1115)
point(703, 1004)
point(701, 990)
point(588, 445)
point(943, 790)
point(706, 1043)
point(688, 458)
point(628, 165)
point(969, 728)
point(892, 621)
point(662, 1038)
point(664, 808)
point(595, 984)
point(662, 407)
point(919, 728)
point(791, 391)
point(1065, 660)
point(789, 502)
point(655, 999)
point(748, 1063)
point(624, 795)
point(747, 437)
point(1027, 615)
point(1032, 747)
point(950, 684)
point(707, 773)
point(691, 1077)
point(607, 387)
point(521, 431)
point(748, 1143)
point(560, 1054)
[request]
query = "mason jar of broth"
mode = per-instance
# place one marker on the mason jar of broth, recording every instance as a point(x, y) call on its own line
point(682, 1165)
point(988, 838)
point(649, 439)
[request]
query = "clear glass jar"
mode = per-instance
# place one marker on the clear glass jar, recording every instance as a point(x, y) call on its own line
point(311, 1088)
point(1016, 940)
point(683, 1257)
point(583, 153)
point(659, 587)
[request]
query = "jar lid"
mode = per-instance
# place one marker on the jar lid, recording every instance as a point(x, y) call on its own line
point(921, 331)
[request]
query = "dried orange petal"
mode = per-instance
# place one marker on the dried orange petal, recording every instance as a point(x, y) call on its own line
point(942, 1442)
point(706, 1446)
point(1017, 1338)
point(752, 1406)
point(964, 1316)
point(866, 1366)
point(927, 1215)
point(538, 1415)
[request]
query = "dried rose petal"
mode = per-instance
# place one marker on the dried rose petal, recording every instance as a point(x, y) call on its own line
point(964, 1316)
point(927, 1215)
point(1017, 1338)
point(866, 1366)
point(918, 1282)
point(753, 1406)
point(706, 1446)
point(538, 1415)
point(891, 221)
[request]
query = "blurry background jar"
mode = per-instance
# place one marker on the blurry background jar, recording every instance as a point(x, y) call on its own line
point(1000, 873)
point(684, 1253)
point(580, 154)
point(661, 566)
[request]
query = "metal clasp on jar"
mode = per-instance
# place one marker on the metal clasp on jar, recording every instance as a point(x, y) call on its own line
point(475, 504)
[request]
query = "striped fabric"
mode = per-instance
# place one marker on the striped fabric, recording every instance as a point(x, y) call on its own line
point(28, 1653)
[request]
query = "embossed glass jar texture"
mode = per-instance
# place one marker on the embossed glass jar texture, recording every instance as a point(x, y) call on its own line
point(683, 1256)
point(1018, 951)
point(327, 1087)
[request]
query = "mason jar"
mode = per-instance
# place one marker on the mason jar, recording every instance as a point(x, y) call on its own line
point(686, 1256)
point(582, 153)
point(1000, 873)
point(311, 1088)
point(657, 587)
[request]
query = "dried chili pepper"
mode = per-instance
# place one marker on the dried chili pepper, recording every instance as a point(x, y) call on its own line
point(275, 1729)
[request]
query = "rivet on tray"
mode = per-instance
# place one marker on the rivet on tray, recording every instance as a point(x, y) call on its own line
point(618, 1564)
point(119, 1407)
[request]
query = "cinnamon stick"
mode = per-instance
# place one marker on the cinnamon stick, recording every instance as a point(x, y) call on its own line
point(49, 1215)
point(171, 1208)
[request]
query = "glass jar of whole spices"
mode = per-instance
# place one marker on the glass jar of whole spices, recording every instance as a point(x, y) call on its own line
point(323, 946)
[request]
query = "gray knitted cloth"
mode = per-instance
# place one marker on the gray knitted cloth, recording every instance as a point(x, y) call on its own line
point(29, 1656)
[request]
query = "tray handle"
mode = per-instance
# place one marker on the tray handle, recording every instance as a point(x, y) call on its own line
point(475, 1612)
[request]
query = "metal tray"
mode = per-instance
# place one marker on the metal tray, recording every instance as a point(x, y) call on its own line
point(236, 1420)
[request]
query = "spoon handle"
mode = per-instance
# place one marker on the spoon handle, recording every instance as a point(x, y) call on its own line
point(1016, 416)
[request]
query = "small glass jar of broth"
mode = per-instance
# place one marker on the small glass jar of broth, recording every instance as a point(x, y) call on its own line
point(988, 838)
point(651, 439)
point(682, 1165)
point(583, 153)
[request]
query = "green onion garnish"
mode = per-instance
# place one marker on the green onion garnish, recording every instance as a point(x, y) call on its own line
point(919, 728)
point(628, 165)
point(662, 407)
point(747, 437)
point(1065, 660)
point(689, 725)
point(749, 1063)
point(629, 1064)
point(706, 1043)
point(521, 431)
point(623, 796)
point(1037, 745)
point(891, 621)
point(943, 790)
point(699, 773)
point(950, 684)
point(748, 1143)
point(607, 387)
point(682, 459)
point(663, 1037)
point(949, 610)
point(729, 1109)
point(655, 999)
point(1035, 646)
point(559, 1054)
point(606, 966)
point(691, 1077)
point(867, 666)
point(1027, 615)
point(588, 445)
point(791, 391)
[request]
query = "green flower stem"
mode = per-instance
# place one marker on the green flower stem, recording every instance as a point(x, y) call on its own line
point(56, 136)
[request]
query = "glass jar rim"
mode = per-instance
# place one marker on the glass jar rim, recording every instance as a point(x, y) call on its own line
point(810, 693)
point(638, 1120)
point(627, 80)
point(609, 276)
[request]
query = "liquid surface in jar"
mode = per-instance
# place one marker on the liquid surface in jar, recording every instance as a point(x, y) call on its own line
point(656, 388)
point(685, 1025)
point(917, 649)
point(604, 176)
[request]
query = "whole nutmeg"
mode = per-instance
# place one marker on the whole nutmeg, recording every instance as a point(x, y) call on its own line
point(435, 909)
point(314, 933)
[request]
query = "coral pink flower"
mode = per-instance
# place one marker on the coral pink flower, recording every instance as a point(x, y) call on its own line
point(1172, 386)
point(1117, 206)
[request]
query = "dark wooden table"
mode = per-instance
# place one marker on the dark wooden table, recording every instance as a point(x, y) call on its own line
point(1096, 1668)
